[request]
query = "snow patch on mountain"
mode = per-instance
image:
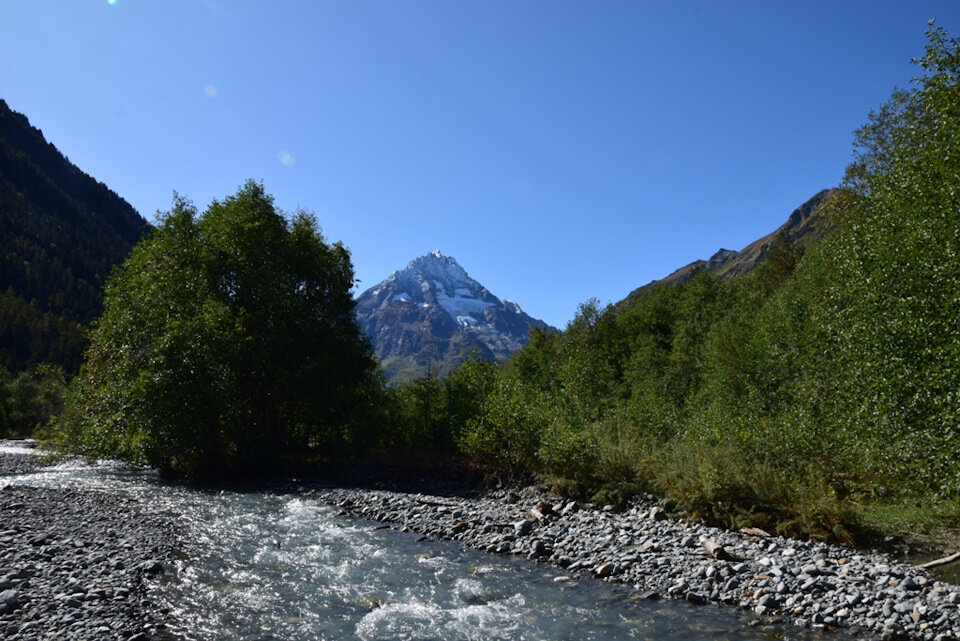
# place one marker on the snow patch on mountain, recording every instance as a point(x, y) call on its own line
point(461, 305)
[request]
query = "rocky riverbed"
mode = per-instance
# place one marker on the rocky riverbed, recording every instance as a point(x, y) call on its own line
point(775, 579)
point(19, 462)
point(76, 564)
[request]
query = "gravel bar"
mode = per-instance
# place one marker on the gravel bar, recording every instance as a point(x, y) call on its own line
point(77, 564)
point(19, 463)
point(807, 584)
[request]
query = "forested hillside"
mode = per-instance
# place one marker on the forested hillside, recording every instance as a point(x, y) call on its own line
point(61, 233)
point(814, 394)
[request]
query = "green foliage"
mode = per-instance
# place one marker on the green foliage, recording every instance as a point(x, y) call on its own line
point(789, 396)
point(426, 419)
point(505, 437)
point(729, 484)
point(418, 420)
point(30, 399)
point(467, 390)
point(227, 346)
point(888, 316)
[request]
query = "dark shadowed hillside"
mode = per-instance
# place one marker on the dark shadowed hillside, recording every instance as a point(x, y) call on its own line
point(61, 232)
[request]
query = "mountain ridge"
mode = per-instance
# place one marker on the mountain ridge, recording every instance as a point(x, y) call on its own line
point(805, 225)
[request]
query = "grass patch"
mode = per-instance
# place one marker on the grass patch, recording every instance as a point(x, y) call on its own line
point(914, 527)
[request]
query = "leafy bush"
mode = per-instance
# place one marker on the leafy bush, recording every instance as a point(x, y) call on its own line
point(505, 437)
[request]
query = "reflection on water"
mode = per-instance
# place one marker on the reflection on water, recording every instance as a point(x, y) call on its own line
point(260, 565)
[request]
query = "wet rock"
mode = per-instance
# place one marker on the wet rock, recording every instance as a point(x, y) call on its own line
point(538, 550)
point(152, 566)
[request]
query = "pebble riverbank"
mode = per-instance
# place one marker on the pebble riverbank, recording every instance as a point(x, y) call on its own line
point(775, 579)
point(76, 564)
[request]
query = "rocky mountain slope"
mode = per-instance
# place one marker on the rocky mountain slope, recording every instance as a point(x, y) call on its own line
point(61, 232)
point(432, 314)
point(805, 225)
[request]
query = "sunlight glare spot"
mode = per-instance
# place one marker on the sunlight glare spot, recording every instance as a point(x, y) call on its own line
point(112, 3)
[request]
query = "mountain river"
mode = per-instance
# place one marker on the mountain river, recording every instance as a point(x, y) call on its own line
point(266, 565)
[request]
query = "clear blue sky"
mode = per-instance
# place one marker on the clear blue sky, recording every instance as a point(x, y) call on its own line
point(559, 150)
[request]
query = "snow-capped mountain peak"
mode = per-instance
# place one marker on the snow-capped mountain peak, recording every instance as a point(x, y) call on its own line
point(435, 279)
point(434, 299)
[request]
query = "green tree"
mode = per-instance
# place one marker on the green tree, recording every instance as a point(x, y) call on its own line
point(895, 323)
point(420, 420)
point(505, 437)
point(227, 346)
point(30, 399)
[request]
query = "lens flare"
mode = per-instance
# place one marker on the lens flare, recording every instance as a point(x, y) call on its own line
point(210, 90)
point(285, 158)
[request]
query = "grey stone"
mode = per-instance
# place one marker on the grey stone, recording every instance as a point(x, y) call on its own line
point(152, 566)
point(523, 527)
point(894, 632)
point(768, 600)
point(658, 514)
point(909, 583)
point(9, 601)
point(538, 550)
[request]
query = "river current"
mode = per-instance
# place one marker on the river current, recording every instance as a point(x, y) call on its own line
point(262, 566)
